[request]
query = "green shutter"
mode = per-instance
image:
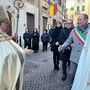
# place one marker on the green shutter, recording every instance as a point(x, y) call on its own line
point(78, 9)
point(83, 8)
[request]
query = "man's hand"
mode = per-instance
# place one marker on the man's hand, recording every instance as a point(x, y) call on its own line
point(60, 48)
point(72, 45)
point(28, 51)
point(69, 48)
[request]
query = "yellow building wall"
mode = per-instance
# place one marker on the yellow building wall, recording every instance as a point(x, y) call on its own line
point(75, 13)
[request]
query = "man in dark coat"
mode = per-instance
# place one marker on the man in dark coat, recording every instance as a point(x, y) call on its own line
point(51, 33)
point(27, 39)
point(45, 40)
point(65, 54)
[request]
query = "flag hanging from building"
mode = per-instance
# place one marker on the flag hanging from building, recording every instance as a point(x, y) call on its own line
point(53, 9)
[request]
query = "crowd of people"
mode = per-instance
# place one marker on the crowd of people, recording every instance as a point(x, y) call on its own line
point(75, 41)
point(67, 44)
point(31, 39)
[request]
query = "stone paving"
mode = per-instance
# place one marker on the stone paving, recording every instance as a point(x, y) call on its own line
point(39, 73)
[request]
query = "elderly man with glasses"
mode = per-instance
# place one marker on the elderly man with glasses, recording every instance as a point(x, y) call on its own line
point(65, 55)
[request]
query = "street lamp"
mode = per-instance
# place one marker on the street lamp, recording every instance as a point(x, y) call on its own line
point(18, 4)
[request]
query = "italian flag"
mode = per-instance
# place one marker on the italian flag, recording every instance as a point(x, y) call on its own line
point(79, 35)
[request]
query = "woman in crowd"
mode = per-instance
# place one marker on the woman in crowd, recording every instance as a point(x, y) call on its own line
point(55, 44)
point(35, 40)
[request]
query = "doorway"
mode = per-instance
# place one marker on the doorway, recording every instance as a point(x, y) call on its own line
point(30, 22)
point(44, 23)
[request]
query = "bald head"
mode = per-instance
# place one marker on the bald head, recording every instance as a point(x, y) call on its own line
point(85, 16)
point(82, 20)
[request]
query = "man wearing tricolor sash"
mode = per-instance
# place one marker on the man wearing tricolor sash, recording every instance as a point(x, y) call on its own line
point(77, 37)
point(82, 76)
point(12, 58)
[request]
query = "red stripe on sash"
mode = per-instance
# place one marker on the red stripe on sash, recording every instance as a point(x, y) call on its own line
point(78, 37)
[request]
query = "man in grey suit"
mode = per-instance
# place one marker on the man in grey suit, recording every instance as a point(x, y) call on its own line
point(83, 27)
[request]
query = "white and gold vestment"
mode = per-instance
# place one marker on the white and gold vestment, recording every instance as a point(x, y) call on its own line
point(12, 58)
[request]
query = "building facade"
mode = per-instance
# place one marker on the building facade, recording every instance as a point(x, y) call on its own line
point(33, 14)
point(76, 7)
point(22, 18)
point(46, 20)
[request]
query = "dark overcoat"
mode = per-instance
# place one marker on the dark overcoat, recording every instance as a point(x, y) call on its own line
point(55, 38)
point(65, 54)
point(35, 40)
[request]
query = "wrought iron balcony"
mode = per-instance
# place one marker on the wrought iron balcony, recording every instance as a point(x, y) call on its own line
point(77, 12)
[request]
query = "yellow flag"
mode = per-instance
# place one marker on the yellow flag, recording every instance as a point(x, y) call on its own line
point(52, 10)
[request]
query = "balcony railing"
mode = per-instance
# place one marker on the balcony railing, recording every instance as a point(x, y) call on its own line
point(77, 12)
point(31, 1)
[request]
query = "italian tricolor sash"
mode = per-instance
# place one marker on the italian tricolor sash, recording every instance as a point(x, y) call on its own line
point(79, 35)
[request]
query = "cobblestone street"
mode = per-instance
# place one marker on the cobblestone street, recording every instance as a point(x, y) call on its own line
point(39, 73)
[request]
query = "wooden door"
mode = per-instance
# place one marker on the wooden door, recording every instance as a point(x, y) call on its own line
point(30, 22)
point(44, 23)
point(54, 22)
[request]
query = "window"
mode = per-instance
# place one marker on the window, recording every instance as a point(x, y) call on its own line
point(78, 1)
point(59, 1)
point(78, 8)
point(83, 8)
point(71, 16)
point(72, 8)
point(83, 0)
point(66, 9)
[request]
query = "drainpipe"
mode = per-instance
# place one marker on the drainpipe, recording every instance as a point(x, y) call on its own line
point(39, 16)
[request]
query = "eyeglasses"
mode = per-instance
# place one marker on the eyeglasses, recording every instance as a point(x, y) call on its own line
point(69, 23)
